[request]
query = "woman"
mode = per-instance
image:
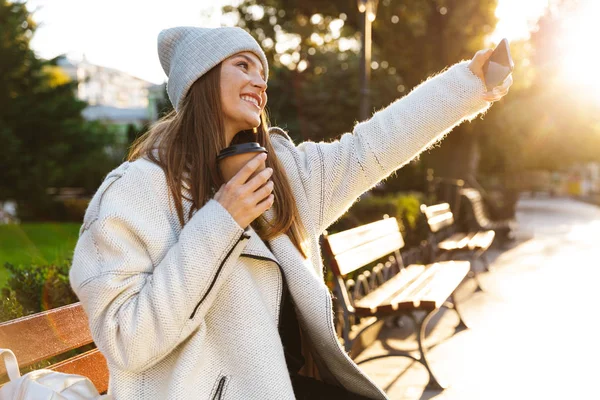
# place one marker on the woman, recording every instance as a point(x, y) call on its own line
point(199, 293)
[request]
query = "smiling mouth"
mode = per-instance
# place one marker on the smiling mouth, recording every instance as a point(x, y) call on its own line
point(251, 100)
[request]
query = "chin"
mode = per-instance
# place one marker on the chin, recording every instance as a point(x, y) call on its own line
point(253, 123)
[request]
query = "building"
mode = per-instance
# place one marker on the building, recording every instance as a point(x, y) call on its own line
point(114, 97)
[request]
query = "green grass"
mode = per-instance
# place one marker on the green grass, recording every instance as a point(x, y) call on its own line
point(36, 243)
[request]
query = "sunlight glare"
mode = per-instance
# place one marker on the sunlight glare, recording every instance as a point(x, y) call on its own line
point(515, 19)
point(578, 49)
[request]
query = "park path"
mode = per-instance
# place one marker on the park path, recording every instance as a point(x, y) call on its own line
point(534, 333)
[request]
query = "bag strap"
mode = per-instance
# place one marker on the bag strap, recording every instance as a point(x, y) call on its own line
point(10, 362)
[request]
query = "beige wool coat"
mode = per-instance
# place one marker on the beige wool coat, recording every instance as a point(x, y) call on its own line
point(192, 312)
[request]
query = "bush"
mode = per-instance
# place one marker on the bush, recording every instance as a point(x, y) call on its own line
point(404, 206)
point(41, 288)
point(54, 210)
point(75, 209)
point(10, 308)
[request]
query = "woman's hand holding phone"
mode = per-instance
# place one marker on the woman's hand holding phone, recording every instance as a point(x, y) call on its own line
point(477, 67)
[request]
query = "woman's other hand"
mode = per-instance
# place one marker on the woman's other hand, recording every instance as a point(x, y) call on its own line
point(476, 66)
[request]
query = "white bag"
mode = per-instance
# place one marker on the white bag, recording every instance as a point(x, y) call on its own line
point(45, 384)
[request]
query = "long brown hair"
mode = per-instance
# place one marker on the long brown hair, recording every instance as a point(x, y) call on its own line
point(187, 144)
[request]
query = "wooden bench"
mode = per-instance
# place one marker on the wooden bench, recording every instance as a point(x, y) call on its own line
point(390, 289)
point(38, 337)
point(477, 217)
point(447, 240)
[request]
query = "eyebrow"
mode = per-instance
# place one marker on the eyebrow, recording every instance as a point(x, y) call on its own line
point(251, 61)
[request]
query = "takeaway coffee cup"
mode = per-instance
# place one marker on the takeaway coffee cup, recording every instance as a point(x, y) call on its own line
point(231, 159)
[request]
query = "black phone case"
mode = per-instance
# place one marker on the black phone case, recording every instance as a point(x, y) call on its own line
point(498, 66)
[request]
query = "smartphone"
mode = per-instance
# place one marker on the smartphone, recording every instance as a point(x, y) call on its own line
point(498, 66)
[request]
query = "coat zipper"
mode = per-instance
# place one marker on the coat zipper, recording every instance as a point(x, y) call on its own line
point(327, 310)
point(284, 282)
point(219, 393)
point(244, 235)
point(337, 346)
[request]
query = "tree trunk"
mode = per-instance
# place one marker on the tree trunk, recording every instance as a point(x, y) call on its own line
point(457, 157)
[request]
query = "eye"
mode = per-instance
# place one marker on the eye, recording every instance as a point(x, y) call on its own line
point(244, 64)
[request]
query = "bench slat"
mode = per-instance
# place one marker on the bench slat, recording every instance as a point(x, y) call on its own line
point(366, 253)
point(388, 289)
point(90, 364)
point(441, 221)
point(447, 279)
point(426, 287)
point(476, 201)
point(432, 210)
point(482, 240)
point(457, 241)
point(439, 216)
point(351, 238)
point(44, 335)
point(412, 293)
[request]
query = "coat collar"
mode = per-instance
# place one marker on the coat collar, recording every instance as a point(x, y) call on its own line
point(256, 247)
point(283, 252)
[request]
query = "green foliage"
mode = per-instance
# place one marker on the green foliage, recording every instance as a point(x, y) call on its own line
point(40, 288)
point(10, 308)
point(35, 244)
point(75, 209)
point(405, 207)
point(46, 141)
point(411, 40)
point(163, 104)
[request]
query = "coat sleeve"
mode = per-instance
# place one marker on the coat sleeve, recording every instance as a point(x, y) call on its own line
point(143, 291)
point(335, 174)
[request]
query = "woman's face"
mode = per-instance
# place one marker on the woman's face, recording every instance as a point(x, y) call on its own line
point(243, 92)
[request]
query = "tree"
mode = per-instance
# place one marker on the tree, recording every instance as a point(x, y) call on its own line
point(314, 84)
point(46, 142)
point(544, 124)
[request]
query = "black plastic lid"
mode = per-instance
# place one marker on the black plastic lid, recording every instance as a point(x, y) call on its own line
point(240, 148)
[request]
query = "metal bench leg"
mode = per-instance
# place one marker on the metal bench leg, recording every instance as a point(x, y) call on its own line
point(444, 256)
point(346, 332)
point(473, 271)
point(481, 255)
point(477, 282)
point(421, 325)
point(485, 261)
point(462, 325)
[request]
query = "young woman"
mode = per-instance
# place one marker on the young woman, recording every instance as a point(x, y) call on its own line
point(197, 288)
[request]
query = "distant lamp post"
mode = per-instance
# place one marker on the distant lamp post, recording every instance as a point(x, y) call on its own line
point(368, 9)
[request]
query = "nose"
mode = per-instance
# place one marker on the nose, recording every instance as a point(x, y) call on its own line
point(260, 83)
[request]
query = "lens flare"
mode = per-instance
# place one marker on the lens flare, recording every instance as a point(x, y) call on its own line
point(578, 50)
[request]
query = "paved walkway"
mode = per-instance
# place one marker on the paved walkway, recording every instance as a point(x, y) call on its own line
point(534, 333)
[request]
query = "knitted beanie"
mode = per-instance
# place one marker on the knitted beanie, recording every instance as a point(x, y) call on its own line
point(186, 53)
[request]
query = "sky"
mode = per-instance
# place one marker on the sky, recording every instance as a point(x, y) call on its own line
point(121, 34)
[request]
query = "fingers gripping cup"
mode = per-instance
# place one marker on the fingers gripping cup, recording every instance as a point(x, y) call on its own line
point(231, 159)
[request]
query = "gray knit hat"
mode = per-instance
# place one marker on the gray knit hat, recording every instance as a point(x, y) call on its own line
point(186, 53)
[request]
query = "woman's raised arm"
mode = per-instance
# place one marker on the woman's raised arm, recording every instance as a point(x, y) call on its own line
point(335, 174)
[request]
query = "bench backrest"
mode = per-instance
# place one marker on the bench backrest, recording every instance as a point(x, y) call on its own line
point(357, 247)
point(439, 216)
point(474, 198)
point(51, 333)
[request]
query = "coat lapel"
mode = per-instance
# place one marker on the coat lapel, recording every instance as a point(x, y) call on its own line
point(257, 248)
point(307, 289)
point(313, 308)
